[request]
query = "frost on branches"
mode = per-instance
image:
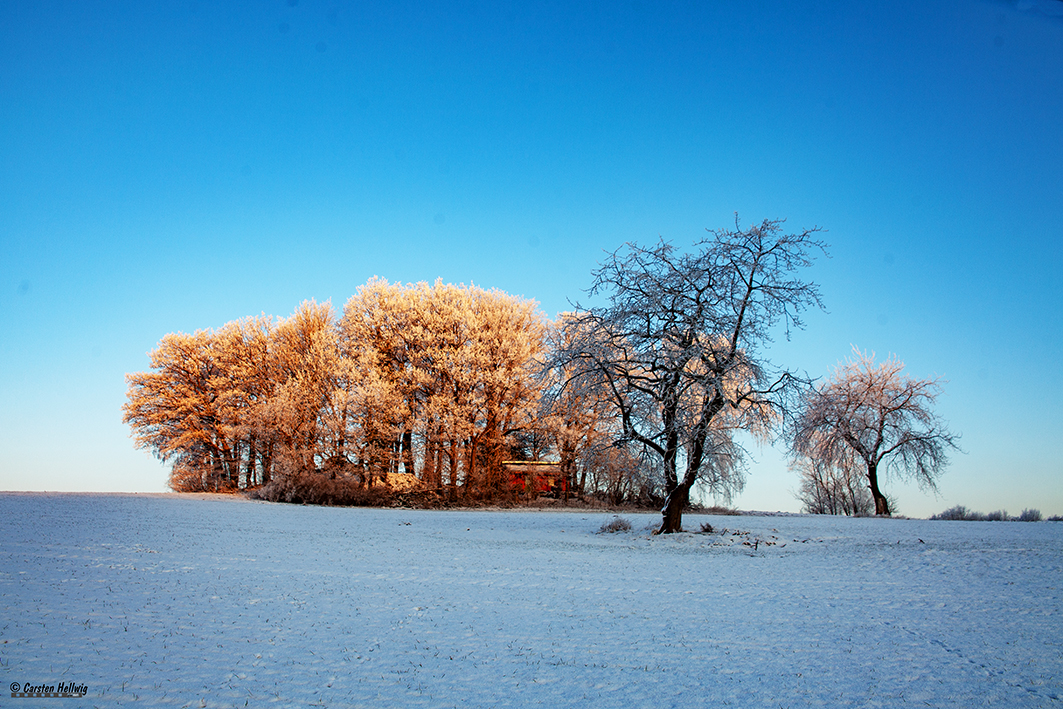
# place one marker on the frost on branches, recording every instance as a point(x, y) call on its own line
point(677, 349)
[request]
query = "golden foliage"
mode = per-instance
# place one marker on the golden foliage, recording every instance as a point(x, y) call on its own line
point(409, 377)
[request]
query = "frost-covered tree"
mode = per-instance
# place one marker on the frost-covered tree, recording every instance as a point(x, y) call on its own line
point(506, 352)
point(196, 407)
point(878, 417)
point(243, 356)
point(432, 378)
point(302, 370)
point(173, 410)
point(226, 407)
point(376, 336)
point(678, 347)
point(459, 361)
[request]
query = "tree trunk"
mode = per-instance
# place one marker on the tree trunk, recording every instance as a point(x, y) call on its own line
point(679, 496)
point(266, 460)
point(882, 505)
point(452, 459)
point(672, 513)
point(407, 451)
point(249, 471)
point(568, 465)
point(428, 469)
point(473, 486)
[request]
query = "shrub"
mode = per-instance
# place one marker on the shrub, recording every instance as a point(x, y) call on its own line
point(959, 512)
point(718, 510)
point(706, 528)
point(1030, 516)
point(617, 524)
point(315, 489)
point(998, 516)
point(1055, 518)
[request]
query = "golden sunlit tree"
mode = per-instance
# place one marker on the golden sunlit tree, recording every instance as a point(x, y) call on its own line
point(455, 365)
point(302, 370)
point(373, 347)
point(506, 352)
point(242, 351)
point(180, 412)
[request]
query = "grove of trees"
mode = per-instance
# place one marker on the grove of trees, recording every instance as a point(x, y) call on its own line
point(636, 399)
point(431, 381)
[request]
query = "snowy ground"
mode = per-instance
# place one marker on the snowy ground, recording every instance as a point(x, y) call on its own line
point(208, 601)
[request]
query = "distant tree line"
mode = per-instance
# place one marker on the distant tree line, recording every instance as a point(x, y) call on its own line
point(637, 399)
point(961, 513)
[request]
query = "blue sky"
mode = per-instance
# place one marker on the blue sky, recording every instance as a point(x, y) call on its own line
point(171, 167)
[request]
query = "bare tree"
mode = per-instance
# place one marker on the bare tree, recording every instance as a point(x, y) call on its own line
point(676, 348)
point(880, 417)
point(832, 489)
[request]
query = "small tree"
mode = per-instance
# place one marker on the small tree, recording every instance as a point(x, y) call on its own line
point(676, 349)
point(879, 417)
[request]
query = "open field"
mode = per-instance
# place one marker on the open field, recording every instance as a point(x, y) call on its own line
point(205, 601)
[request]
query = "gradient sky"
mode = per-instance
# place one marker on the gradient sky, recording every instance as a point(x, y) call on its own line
point(173, 166)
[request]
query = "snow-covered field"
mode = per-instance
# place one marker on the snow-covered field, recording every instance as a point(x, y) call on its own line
point(208, 601)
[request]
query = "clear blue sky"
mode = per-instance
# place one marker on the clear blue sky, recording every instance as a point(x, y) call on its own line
point(174, 166)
